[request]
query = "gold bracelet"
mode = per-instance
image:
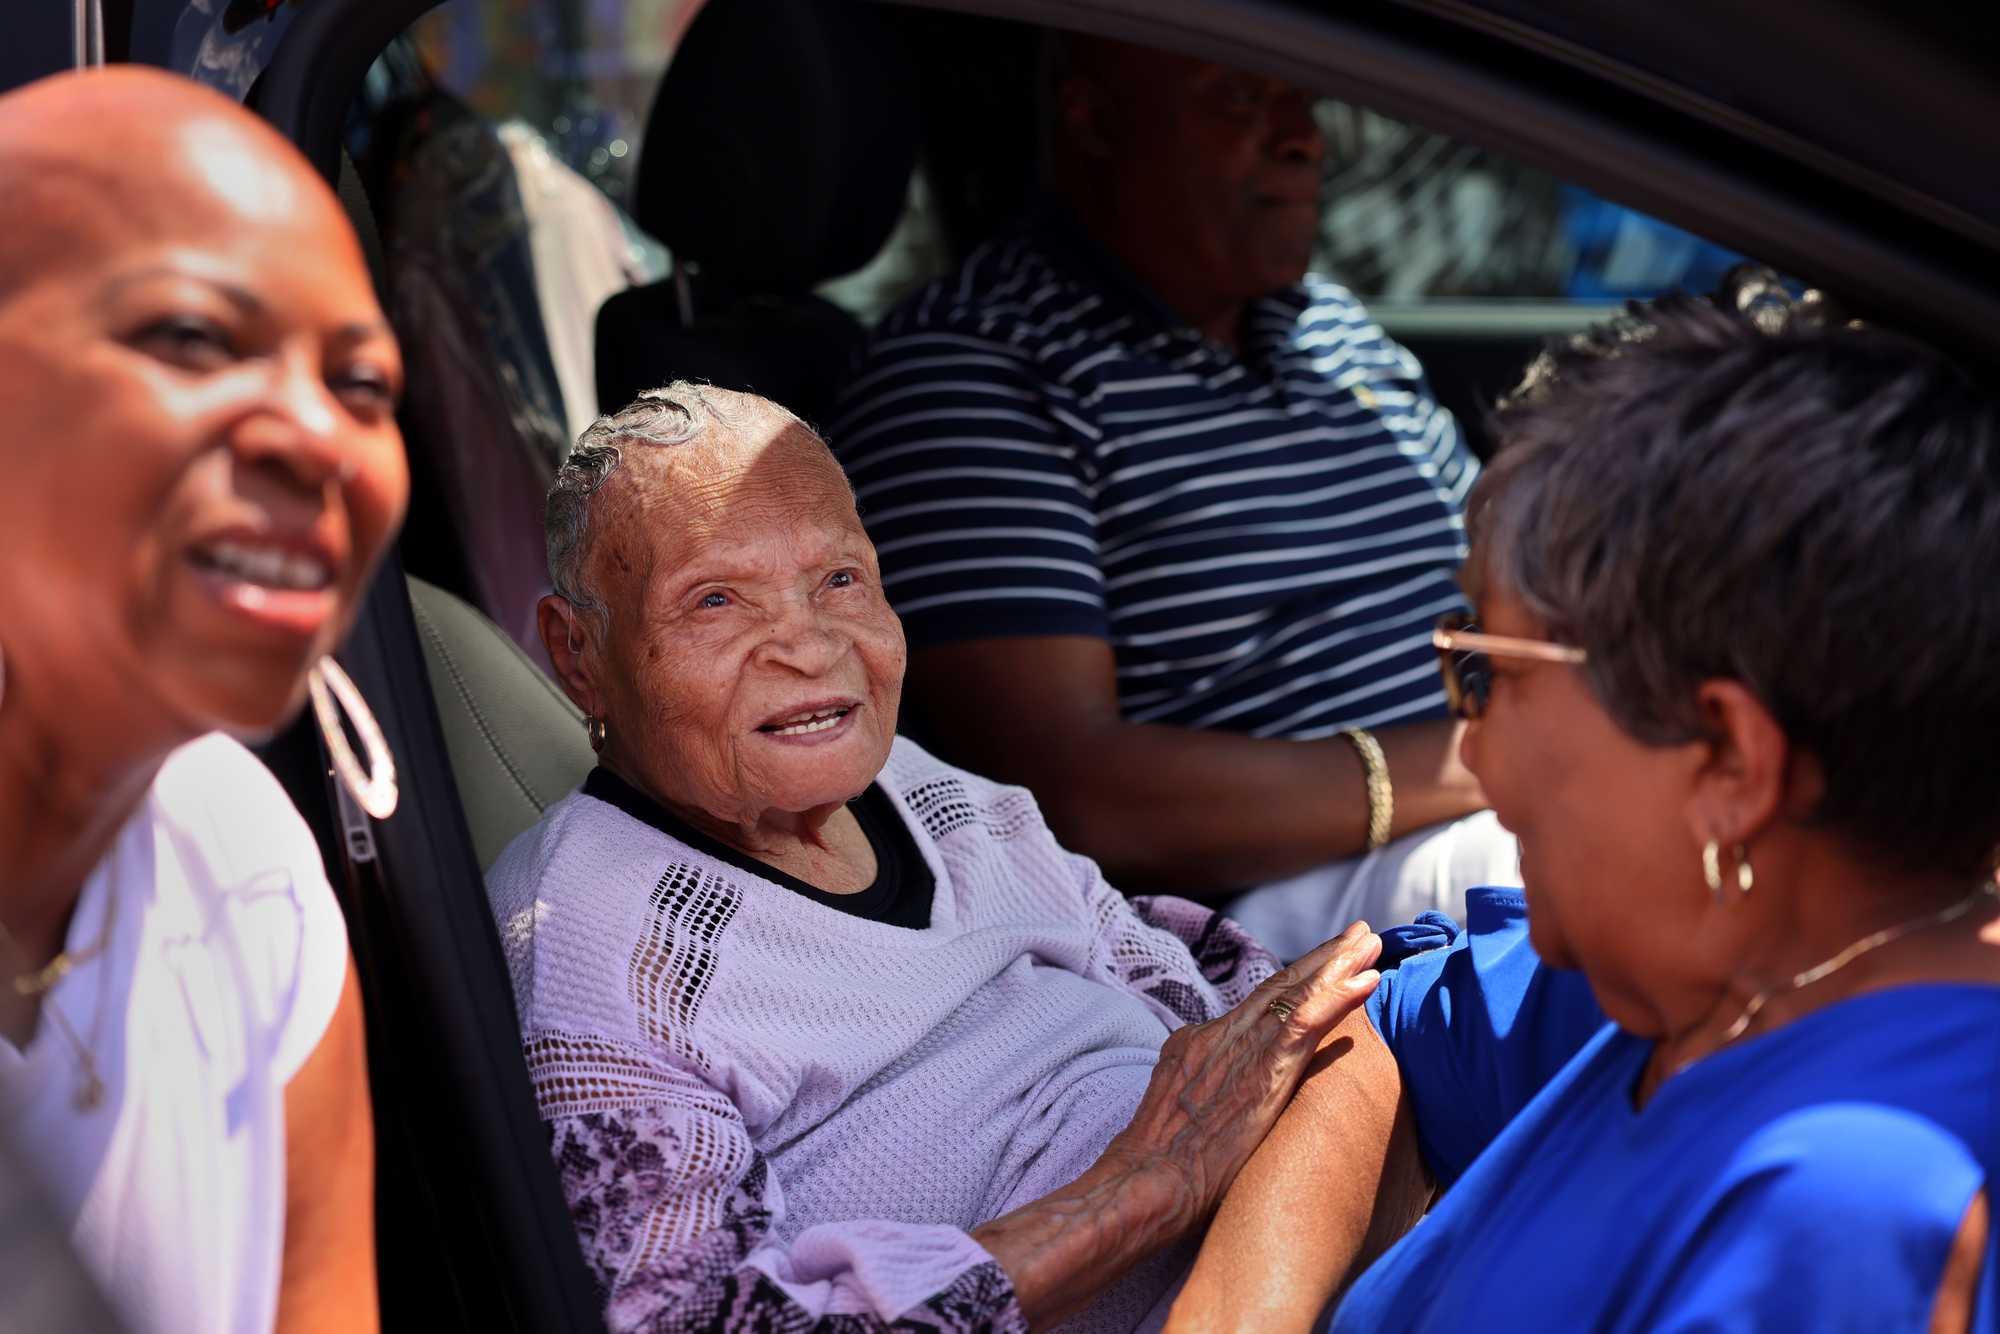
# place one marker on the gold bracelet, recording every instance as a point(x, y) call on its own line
point(1375, 774)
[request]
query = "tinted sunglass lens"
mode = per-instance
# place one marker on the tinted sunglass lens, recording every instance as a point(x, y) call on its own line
point(1475, 676)
point(1468, 682)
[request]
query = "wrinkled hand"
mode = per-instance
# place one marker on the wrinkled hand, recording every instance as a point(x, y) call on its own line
point(1219, 1086)
point(1215, 1094)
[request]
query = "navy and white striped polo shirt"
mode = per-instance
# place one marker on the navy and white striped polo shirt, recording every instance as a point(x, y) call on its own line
point(1040, 448)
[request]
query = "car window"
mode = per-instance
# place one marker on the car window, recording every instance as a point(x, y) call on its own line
point(1412, 219)
point(1414, 216)
point(583, 75)
point(1415, 219)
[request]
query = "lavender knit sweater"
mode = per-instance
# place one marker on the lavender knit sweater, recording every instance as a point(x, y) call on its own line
point(769, 1114)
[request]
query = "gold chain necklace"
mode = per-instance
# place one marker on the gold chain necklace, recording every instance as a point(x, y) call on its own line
point(39, 981)
point(1828, 967)
point(89, 1088)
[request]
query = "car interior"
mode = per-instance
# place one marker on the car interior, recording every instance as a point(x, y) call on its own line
point(802, 162)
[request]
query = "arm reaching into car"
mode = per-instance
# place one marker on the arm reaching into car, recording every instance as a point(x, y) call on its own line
point(1217, 1091)
point(1317, 1201)
point(1169, 808)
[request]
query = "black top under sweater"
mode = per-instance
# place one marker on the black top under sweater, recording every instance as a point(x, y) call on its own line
point(903, 886)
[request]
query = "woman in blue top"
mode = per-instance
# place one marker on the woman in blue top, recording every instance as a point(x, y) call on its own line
point(1733, 688)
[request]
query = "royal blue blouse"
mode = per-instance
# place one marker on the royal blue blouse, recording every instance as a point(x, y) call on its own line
point(1810, 1179)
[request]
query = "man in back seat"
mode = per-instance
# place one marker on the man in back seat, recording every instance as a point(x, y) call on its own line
point(1168, 527)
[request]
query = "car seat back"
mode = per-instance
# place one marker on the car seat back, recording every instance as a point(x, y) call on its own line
point(777, 155)
point(516, 743)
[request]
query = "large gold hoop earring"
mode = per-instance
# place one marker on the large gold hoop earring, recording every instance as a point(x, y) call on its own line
point(373, 791)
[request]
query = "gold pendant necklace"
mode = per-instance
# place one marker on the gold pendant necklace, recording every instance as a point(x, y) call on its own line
point(39, 981)
point(90, 1087)
point(1827, 967)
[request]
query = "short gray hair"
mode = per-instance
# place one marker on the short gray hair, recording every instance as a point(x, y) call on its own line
point(672, 415)
point(1732, 489)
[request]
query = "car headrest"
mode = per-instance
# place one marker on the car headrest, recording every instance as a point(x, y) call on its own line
point(516, 742)
point(780, 144)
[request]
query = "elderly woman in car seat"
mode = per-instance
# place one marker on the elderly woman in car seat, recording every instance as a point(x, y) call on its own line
point(825, 1029)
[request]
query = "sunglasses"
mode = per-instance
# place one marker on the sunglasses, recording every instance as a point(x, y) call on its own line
point(1463, 655)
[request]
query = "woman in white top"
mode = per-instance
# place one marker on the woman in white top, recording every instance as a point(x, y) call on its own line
point(201, 467)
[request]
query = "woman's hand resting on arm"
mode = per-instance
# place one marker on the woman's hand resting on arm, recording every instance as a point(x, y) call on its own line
point(1216, 1092)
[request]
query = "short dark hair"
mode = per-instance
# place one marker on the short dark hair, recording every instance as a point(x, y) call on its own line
point(1746, 487)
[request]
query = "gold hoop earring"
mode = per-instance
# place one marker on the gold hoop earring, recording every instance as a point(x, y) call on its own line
point(1711, 867)
point(597, 731)
point(375, 790)
point(1745, 878)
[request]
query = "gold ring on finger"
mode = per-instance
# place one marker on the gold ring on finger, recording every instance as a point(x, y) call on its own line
point(1282, 1008)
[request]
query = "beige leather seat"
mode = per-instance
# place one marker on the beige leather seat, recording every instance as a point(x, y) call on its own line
point(516, 742)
